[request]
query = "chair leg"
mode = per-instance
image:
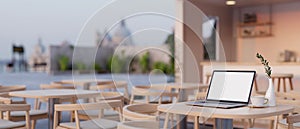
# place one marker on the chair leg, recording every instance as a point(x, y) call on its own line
point(37, 104)
point(291, 84)
point(251, 122)
point(33, 123)
point(71, 116)
point(245, 123)
point(278, 85)
point(284, 85)
point(196, 122)
point(172, 120)
point(271, 124)
point(177, 121)
point(214, 123)
point(166, 121)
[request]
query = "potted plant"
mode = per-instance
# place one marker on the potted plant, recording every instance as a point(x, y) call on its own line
point(270, 94)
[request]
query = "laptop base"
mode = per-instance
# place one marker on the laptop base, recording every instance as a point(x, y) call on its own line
point(214, 104)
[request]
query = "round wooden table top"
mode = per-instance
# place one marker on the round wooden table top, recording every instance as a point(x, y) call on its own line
point(57, 93)
point(242, 112)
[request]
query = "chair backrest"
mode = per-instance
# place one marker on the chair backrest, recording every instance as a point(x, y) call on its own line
point(115, 86)
point(12, 88)
point(201, 94)
point(293, 119)
point(111, 96)
point(148, 92)
point(60, 83)
point(5, 98)
point(55, 86)
point(111, 86)
point(7, 108)
point(289, 98)
point(140, 112)
point(111, 104)
point(108, 96)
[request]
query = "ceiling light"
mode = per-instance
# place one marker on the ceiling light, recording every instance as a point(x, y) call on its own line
point(230, 2)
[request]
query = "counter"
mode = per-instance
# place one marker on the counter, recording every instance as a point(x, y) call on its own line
point(277, 67)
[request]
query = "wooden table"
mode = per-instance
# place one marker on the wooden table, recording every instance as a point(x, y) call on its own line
point(113, 85)
point(224, 117)
point(179, 86)
point(53, 97)
point(85, 83)
point(182, 89)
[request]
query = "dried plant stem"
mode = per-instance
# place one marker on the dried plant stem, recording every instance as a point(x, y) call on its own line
point(263, 61)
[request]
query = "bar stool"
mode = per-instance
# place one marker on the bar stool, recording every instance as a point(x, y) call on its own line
point(283, 77)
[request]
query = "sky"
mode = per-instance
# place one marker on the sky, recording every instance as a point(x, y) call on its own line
point(55, 21)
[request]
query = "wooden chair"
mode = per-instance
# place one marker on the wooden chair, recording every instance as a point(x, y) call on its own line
point(140, 116)
point(282, 77)
point(201, 95)
point(115, 86)
point(138, 112)
point(284, 98)
point(291, 122)
point(12, 88)
point(158, 95)
point(147, 92)
point(7, 109)
point(5, 89)
point(107, 114)
point(21, 116)
point(290, 98)
point(61, 83)
point(89, 124)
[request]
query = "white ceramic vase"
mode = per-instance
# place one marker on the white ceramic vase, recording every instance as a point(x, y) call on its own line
point(270, 94)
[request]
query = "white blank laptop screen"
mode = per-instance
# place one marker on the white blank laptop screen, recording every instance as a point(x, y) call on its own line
point(230, 86)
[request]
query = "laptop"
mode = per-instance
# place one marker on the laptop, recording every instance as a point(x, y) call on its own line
point(228, 89)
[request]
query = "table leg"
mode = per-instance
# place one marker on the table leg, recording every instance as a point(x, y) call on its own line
point(86, 86)
point(51, 103)
point(224, 123)
point(182, 118)
point(275, 126)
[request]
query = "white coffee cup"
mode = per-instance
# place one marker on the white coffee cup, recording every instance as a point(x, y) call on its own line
point(259, 100)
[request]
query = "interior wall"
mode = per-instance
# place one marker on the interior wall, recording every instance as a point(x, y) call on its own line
point(286, 30)
point(225, 15)
point(193, 41)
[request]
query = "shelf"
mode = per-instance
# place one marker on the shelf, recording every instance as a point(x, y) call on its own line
point(253, 36)
point(255, 24)
point(261, 25)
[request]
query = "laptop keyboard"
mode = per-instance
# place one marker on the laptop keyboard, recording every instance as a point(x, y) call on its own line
point(216, 104)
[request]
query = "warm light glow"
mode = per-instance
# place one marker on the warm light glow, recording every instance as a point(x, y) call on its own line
point(230, 2)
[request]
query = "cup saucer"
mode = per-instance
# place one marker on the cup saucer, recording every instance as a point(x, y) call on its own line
point(258, 106)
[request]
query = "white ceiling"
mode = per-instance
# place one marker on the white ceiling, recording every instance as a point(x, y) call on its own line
point(241, 3)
